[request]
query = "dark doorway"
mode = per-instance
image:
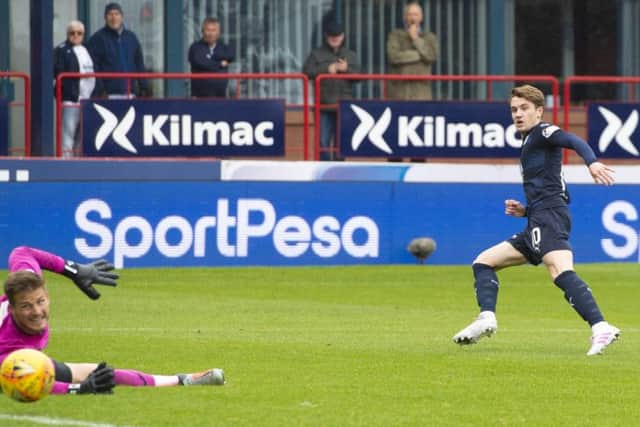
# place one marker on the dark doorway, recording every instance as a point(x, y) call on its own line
point(539, 29)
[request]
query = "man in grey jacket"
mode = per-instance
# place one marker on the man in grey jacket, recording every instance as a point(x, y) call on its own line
point(410, 50)
point(332, 58)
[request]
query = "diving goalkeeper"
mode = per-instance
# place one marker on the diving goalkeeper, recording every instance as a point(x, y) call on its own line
point(24, 323)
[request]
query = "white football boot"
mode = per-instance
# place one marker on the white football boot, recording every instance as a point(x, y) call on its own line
point(211, 377)
point(603, 335)
point(485, 325)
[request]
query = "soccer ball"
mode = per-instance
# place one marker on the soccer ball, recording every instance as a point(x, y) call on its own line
point(422, 247)
point(27, 375)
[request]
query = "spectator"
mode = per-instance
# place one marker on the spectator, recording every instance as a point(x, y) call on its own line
point(411, 51)
point(72, 56)
point(209, 55)
point(333, 58)
point(116, 49)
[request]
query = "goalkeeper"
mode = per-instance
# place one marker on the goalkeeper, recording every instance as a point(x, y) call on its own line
point(24, 323)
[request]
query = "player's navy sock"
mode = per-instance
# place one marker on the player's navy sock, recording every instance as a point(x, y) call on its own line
point(486, 285)
point(578, 294)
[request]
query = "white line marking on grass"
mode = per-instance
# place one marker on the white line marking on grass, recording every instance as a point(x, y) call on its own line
point(201, 330)
point(77, 329)
point(50, 421)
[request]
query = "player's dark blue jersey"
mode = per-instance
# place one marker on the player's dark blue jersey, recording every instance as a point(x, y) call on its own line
point(541, 164)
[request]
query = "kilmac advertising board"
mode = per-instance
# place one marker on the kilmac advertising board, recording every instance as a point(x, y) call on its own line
point(373, 128)
point(613, 130)
point(183, 128)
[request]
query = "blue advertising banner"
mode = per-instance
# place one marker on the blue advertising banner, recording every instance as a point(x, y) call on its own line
point(4, 126)
point(183, 128)
point(248, 223)
point(373, 128)
point(612, 130)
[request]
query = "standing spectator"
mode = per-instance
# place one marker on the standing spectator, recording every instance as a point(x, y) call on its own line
point(209, 55)
point(333, 58)
point(72, 56)
point(116, 49)
point(411, 51)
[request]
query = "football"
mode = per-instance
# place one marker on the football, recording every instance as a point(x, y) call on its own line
point(27, 375)
point(422, 248)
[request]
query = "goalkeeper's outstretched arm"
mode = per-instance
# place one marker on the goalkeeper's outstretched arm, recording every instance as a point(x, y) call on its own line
point(83, 275)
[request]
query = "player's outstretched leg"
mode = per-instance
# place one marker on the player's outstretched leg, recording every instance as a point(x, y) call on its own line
point(578, 294)
point(213, 376)
point(485, 325)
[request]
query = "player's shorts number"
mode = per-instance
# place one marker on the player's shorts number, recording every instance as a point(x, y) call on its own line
point(536, 238)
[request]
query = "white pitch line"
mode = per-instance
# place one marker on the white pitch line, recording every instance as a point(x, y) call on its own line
point(81, 329)
point(49, 421)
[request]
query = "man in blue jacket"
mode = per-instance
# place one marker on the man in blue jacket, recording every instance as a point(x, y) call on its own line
point(209, 55)
point(116, 49)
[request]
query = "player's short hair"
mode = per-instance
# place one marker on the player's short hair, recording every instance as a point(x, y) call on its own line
point(210, 20)
point(530, 93)
point(21, 281)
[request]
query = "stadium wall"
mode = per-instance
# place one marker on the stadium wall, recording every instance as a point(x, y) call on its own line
point(234, 213)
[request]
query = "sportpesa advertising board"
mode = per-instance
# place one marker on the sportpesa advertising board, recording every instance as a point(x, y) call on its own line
point(142, 224)
point(613, 130)
point(183, 128)
point(374, 128)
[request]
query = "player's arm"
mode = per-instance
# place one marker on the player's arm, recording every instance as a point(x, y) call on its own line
point(600, 173)
point(83, 275)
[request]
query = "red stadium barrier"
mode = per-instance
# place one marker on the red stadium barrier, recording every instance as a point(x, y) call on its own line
point(569, 81)
point(229, 76)
point(555, 88)
point(26, 103)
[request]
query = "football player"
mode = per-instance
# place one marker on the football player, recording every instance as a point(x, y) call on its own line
point(24, 323)
point(545, 239)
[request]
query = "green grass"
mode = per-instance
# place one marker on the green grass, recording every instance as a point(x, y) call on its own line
point(342, 346)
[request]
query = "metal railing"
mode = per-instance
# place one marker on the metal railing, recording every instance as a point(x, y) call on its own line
point(26, 103)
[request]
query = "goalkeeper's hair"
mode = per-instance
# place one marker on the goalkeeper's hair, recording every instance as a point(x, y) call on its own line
point(530, 93)
point(21, 281)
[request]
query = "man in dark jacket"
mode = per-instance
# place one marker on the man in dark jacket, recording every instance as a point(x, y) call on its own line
point(116, 49)
point(209, 55)
point(72, 56)
point(333, 58)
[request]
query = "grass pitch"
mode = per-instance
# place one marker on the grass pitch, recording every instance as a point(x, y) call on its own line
point(345, 346)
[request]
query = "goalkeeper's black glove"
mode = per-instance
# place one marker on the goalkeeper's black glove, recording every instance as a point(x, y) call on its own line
point(100, 381)
point(85, 275)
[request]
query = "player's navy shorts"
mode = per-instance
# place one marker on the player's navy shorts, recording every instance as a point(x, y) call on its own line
point(547, 230)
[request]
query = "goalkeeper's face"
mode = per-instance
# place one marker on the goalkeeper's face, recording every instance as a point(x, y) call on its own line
point(30, 311)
